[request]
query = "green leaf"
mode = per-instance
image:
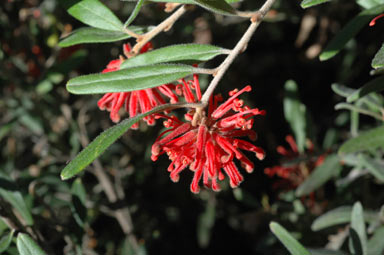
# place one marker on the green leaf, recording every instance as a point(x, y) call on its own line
point(6, 241)
point(97, 35)
point(99, 145)
point(375, 85)
point(10, 193)
point(358, 238)
point(330, 167)
point(342, 90)
point(349, 31)
point(217, 6)
point(294, 112)
point(325, 252)
point(136, 78)
point(376, 244)
point(79, 211)
point(95, 14)
point(134, 14)
point(378, 60)
point(187, 1)
point(293, 246)
point(309, 3)
point(175, 53)
point(205, 223)
point(337, 216)
point(370, 140)
point(26, 246)
point(373, 166)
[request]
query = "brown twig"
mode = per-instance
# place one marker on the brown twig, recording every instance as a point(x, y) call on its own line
point(256, 19)
point(163, 26)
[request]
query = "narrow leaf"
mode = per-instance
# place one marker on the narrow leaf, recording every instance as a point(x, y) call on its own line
point(337, 216)
point(374, 167)
point(375, 85)
point(10, 193)
point(320, 175)
point(186, 1)
point(358, 243)
point(378, 60)
point(294, 112)
point(97, 35)
point(98, 146)
point(370, 140)
point(326, 252)
point(134, 13)
point(95, 14)
point(175, 53)
point(293, 246)
point(26, 246)
point(217, 6)
point(310, 3)
point(6, 241)
point(342, 90)
point(349, 31)
point(376, 244)
point(136, 78)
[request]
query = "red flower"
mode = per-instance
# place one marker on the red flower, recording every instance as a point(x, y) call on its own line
point(135, 102)
point(373, 22)
point(211, 145)
point(297, 171)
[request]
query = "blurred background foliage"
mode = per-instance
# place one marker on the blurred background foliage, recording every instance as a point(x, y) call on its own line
point(42, 127)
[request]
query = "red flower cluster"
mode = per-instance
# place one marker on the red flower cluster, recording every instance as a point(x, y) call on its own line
point(135, 102)
point(297, 171)
point(211, 145)
point(373, 22)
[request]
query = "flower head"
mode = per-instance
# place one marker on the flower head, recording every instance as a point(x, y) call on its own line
point(135, 102)
point(296, 169)
point(209, 147)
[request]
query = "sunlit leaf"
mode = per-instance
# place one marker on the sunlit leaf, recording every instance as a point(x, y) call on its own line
point(369, 140)
point(136, 78)
point(95, 14)
point(329, 168)
point(358, 235)
point(174, 53)
point(293, 246)
point(310, 3)
point(6, 241)
point(97, 35)
point(98, 146)
point(378, 60)
point(337, 216)
point(26, 246)
point(349, 31)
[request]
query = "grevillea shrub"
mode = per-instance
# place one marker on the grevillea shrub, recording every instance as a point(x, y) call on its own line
point(186, 157)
